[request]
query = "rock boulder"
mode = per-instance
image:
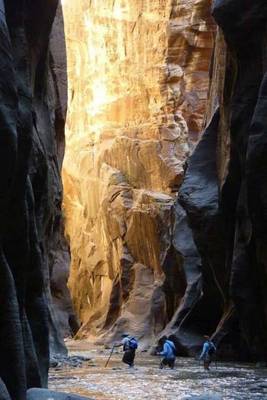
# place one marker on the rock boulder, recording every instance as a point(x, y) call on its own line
point(44, 394)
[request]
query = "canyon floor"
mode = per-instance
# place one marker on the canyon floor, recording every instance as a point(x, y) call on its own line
point(227, 381)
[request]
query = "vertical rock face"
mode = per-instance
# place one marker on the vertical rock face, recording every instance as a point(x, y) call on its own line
point(32, 114)
point(137, 72)
point(143, 260)
point(224, 192)
point(63, 320)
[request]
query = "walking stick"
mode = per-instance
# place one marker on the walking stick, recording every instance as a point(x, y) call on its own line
point(110, 356)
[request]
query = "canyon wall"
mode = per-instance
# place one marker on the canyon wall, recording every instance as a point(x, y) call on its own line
point(160, 243)
point(32, 113)
point(63, 321)
point(155, 249)
point(138, 81)
point(224, 192)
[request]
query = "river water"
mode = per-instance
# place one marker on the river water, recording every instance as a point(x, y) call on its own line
point(228, 381)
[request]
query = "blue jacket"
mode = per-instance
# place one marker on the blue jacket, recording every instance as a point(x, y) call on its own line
point(168, 350)
point(206, 346)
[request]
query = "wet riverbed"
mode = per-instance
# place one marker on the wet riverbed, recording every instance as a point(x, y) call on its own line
point(147, 381)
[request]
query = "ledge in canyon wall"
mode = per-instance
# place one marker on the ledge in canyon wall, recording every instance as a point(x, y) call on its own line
point(137, 72)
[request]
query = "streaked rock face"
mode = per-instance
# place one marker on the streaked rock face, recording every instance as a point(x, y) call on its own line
point(224, 193)
point(138, 82)
point(32, 115)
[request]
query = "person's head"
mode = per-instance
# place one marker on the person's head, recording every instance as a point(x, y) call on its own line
point(124, 335)
point(162, 340)
point(206, 337)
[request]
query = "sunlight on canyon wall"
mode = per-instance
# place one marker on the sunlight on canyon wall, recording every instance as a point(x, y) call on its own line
point(138, 82)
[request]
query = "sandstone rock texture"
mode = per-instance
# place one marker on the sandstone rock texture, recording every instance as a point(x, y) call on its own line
point(224, 191)
point(138, 76)
point(32, 115)
point(64, 321)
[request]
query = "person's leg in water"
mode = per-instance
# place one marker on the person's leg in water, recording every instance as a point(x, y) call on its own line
point(207, 362)
point(163, 363)
point(171, 363)
point(128, 357)
point(133, 357)
point(167, 362)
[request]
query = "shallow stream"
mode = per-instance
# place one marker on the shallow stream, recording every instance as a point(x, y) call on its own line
point(118, 382)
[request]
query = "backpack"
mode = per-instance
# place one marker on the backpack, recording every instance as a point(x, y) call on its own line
point(173, 347)
point(132, 344)
point(212, 349)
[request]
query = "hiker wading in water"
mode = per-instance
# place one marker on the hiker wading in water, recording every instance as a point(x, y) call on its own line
point(208, 351)
point(168, 352)
point(130, 345)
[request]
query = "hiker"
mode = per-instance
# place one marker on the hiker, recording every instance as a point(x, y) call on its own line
point(208, 351)
point(168, 352)
point(130, 345)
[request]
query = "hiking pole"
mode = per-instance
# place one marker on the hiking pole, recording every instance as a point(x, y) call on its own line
point(110, 356)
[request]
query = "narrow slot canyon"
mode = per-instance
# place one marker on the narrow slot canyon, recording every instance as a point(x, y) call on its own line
point(132, 141)
point(138, 76)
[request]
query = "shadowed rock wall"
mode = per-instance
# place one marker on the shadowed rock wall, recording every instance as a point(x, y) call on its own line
point(32, 115)
point(137, 72)
point(224, 191)
point(57, 247)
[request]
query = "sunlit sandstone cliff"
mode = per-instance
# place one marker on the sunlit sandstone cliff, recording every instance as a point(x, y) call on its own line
point(138, 81)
